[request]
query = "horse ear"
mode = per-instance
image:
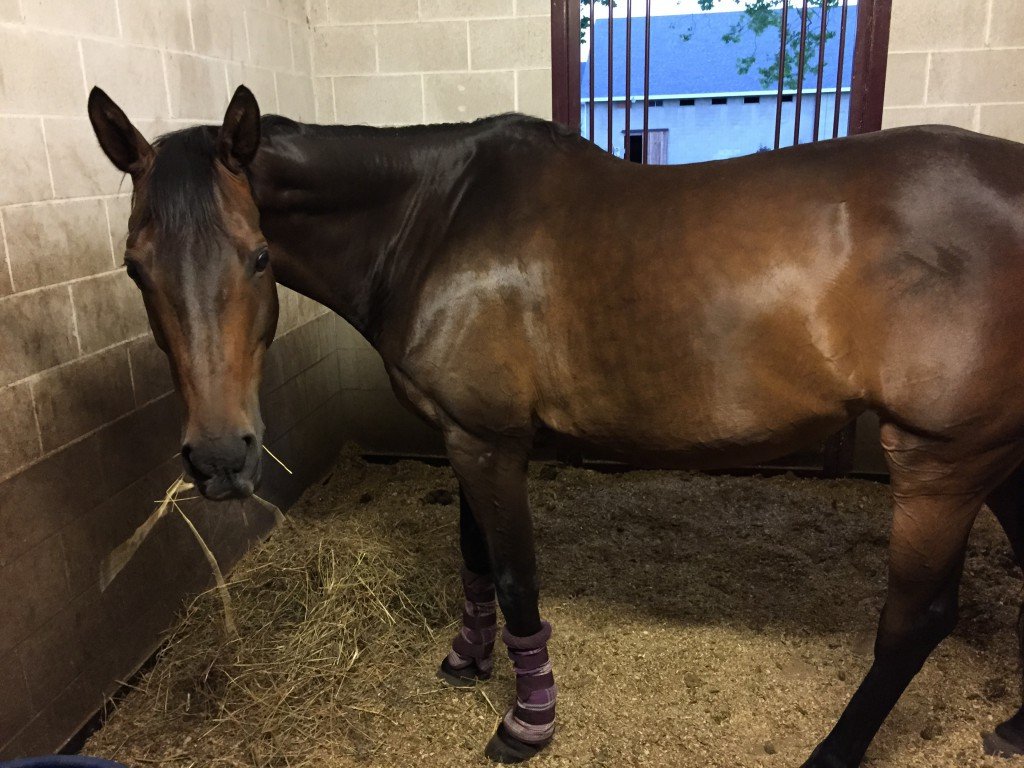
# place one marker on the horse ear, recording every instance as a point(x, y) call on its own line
point(239, 136)
point(119, 139)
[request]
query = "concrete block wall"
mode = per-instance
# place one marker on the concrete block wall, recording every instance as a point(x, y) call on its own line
point(88, 424)
point(959, 62)
point(398, 62)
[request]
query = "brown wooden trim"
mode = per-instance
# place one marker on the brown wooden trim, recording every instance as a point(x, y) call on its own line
point(869, 65)
point(565, 62)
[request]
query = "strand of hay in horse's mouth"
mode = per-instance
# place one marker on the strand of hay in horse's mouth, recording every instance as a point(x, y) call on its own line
point(115, 562)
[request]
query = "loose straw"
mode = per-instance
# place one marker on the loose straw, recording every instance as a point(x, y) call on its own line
point(115, 562)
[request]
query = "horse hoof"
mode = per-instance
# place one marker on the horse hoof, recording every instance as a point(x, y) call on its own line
point(466, 677)
point(997, 745)
point(506, 748)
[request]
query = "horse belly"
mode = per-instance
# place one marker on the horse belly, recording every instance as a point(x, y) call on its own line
point(752, 391)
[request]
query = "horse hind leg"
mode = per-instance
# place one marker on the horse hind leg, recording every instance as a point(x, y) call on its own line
point(1007, 503)
point(936, 500)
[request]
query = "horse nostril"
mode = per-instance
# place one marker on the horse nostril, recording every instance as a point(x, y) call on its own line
point(250, 440)
point(190, 465)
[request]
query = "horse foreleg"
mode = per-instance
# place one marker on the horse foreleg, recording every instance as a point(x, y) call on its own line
point(1007, 502)
point(470, 658)
point(492, 475)
point(927, 547)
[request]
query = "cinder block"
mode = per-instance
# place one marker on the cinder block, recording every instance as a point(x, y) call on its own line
point(197, 85)
point(157, 23)
point(47, 496)
point(11, 11)
point(533, 92)
point(323, 91)
point(427, 46)
point(132, 76)
point(1003, 120)
point(510, 43)
point(465, 9)
point(539, 8)
point(1007, 23)
point(319, 14)
point(48, 71)
point(926, 25)
point(83, 395)
point(19, 438)
point(270, 42)
point(295, 96)
point(140, 442)
point(302, 48)
point(357, 11)
point(897, 117)
point(258, 80)
point(23, 174)
point(53, 242)
point(118, 210)
point(79, 167)
point(33, 588)
point(467, 96)
point(46, 332)
point(976, 77)
point(6, 289)
point(293, 10)
point(94, 17)
point(344, 51)
point(383, 100)
point(109, 309)
point(905, 77)
point(218, 29)
point(16, 709)
point(151, 371)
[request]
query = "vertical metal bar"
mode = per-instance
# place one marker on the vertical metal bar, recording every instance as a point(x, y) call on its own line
point(869, 63)
point(566, 96)
point(821, 68)
point(629, 73)
point(611, 68)
point(590, 112)
point(783, 34)
point(800, 73)
point(647, 80)
point(839, 75)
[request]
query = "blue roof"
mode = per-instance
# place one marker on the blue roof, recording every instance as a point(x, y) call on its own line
point(690, 57)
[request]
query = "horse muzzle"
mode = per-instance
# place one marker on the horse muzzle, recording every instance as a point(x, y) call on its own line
point(224, 467)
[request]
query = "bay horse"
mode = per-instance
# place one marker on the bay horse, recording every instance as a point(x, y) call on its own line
point(517, 282)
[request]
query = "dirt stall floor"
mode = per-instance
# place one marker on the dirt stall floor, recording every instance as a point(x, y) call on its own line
point(698, 621)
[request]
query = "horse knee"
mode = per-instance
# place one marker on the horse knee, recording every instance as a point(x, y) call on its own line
point(918, 634)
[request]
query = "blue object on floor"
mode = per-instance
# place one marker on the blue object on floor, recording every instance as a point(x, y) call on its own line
point(61, 761)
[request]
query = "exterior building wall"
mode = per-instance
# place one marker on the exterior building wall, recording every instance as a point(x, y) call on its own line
point(706, 131)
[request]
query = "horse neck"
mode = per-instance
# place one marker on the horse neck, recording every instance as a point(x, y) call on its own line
point(353, 215)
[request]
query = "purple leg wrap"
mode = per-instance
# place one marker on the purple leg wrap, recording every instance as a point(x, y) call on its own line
point(532, 719)
point(474, 644)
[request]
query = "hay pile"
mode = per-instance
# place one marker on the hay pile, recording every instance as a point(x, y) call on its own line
point(326, 612)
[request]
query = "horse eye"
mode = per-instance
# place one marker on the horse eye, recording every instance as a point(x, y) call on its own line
point(133, 270)
point(262, 260)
